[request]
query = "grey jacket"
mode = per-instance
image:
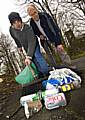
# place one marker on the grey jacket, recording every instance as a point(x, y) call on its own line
point(24, 38)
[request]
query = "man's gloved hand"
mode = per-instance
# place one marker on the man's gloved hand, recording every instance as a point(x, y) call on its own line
point(60, 48)
point(42, 37)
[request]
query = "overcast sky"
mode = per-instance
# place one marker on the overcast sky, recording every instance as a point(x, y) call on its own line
point(6, 6)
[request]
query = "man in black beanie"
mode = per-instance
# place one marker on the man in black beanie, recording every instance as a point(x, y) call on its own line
point(24, 37)
point(13, 17)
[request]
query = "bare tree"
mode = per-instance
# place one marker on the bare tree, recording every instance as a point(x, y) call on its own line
point(80, 4)
point(6, 54)
point(5, 48)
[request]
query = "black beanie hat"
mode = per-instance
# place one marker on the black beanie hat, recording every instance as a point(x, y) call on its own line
point(13, 16)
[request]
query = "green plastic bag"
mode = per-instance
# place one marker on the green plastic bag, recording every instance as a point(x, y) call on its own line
point(27, 75)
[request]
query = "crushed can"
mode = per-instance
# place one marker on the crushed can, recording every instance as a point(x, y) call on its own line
point(67, 87)
point(73, 85)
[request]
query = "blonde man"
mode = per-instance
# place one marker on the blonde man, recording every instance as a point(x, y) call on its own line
point(44, 27)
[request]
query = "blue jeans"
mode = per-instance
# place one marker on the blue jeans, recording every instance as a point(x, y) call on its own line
point(40, 62)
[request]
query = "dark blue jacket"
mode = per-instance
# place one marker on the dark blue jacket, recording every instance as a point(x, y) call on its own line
point(53, 37)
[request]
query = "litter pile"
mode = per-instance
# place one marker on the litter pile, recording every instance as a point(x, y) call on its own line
point(58, 82)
